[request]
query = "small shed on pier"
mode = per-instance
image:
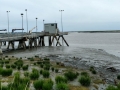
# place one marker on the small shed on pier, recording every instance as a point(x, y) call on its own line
point(51, 28)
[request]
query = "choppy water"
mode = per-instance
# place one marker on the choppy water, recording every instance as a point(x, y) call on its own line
point(109, 42)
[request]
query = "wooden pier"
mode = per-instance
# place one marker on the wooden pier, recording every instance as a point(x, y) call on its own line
point(34, 39)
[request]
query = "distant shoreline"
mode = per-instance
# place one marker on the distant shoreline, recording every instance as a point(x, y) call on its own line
point(107, 31)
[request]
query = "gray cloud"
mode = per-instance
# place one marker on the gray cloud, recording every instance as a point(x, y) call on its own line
point(78, 14)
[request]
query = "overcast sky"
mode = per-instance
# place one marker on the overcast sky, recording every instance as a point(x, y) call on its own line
point(78, 15)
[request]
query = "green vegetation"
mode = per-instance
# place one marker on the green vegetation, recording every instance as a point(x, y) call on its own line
point(19, 63)
point(35, 74)
point(13, 66)
point(62, 86)
point(7, 61)
point(6, 72)
point(19, 83)
point(70, 75)
point(84, 74)
point(60, 79)
point(26, 74)
point(52, 68)
point(92, 70)
point(118, 77)
point(85, 80)
point(56, 70)
point(7, 66)
point(43, 84)
point(25, 67)
point(45, 73)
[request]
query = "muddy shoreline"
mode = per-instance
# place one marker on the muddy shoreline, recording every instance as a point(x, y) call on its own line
point(82, 58)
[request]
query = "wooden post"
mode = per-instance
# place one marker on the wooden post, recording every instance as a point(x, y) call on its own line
point(43, 43)
point(65, 40)
point(52, 40)
point(10, 43)
point(58, 40)
point(22, 44)
point(49, 40)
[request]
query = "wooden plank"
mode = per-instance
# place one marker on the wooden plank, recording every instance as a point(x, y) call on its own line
point(57, 41)
point(52, 40)
point(65, 40)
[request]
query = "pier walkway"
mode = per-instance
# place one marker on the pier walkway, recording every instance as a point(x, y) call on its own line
point(34, 39)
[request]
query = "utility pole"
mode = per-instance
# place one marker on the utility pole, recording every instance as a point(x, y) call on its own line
point(22, 20)
point(26, 20)
point(8, 19)
point(36, 24)
point(61, 23)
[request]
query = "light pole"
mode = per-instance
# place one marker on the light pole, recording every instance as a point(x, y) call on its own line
point(36, 23)
point(61, 23)
point(26, 20)
point(43, 24)
point(8, 19)
point(22, 20)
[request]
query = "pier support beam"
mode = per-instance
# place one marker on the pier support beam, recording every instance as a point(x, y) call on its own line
point(49, 38)
point(63, 40)
point(0, 48)
point(57, 39)
point(22, 44)
point(10, 43)
point(32, 41)
point(41, 41)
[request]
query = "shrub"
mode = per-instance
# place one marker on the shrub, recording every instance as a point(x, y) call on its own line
point(39, 62)
point(111, 88)
point(18, 67)
point(38, 84)
point(56, 70)
point(34, 63)
point(60, 79)
point(85, 80)
point(84, 74)
point(41, 65)
point(25, 67)
point(19, 83)
point(118, 77)
point(19, 63)
point(1, 61)
point(35, 74)
point(7, 61)
point(46, 59)
point(94, 72)
point(26, 74)
point(4, 88)
point(47, 67)
point(62, 86)
point(91, 68)
point(46, 62)
point(45, 74)
point(13, 66)
point(43, 84)
point(57, 63)
point(70, 75)
point(36, 56)
point(1, 65)
point(31, 59)
point(41, 71)
point(7, 66)
point(1, 70)
point(6, 72)
point(52, 68)
point(47, 85)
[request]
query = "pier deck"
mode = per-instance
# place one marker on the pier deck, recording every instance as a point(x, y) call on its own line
point(35, 39)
